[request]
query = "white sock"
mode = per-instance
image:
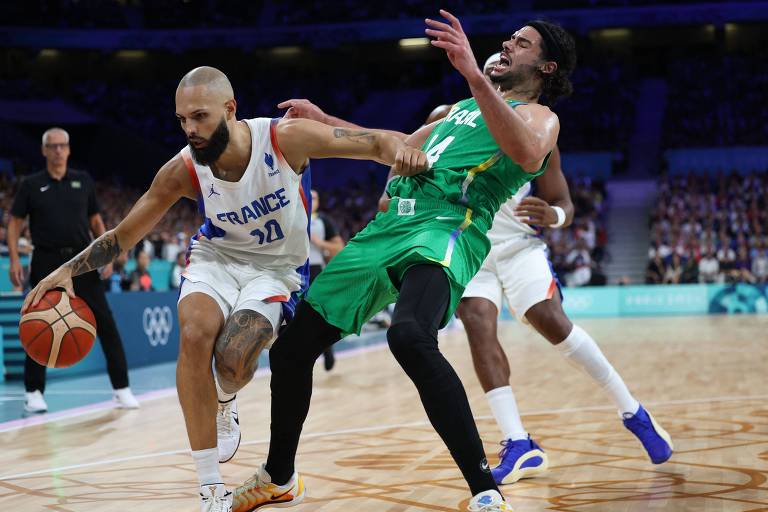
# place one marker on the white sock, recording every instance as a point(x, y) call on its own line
point(504, 408)
point(223, 397)
point(581, 351)
point(207, 464)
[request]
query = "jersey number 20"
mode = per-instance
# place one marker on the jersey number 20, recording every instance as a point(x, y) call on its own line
point(274, 233)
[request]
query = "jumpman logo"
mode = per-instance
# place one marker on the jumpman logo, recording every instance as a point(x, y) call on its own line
point(212, 192)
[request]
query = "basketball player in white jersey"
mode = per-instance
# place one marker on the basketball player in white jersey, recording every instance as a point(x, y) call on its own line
point(518, 269)
point(251, 182)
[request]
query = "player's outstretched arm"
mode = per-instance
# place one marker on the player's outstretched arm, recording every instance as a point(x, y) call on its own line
point(171, 183)
point(300, 108)
point(527, 133)
point(302, 139)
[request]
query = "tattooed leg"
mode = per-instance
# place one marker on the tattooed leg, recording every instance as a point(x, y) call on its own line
point(245, 334)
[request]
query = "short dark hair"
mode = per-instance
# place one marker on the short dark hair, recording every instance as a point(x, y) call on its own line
point(556, 45)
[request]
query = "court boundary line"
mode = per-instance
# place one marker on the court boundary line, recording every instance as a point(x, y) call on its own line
point(361, 430)
point(105, 405)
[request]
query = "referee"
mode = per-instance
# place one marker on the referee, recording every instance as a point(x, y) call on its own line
point(63, 214)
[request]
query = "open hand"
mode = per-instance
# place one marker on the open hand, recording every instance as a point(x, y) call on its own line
point(59, 278)
point(304, 109)
point(453, 40)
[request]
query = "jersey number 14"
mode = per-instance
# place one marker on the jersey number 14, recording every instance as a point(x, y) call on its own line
point(433, 153)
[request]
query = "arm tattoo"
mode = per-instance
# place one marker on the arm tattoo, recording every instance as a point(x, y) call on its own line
point(102, 251)
point(245, 334)
point(360, 136)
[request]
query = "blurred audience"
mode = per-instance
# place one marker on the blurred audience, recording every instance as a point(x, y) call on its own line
point(710, 229)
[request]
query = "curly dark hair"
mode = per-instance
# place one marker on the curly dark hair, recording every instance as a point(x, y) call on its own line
point(556, 45)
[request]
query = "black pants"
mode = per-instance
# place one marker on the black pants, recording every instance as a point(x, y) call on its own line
point(87, 287)
point(314, 271)
point(424, 297)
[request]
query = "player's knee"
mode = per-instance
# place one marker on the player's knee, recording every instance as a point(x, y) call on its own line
point(194, 343)
point(408, 339)
point(476, 314)
point(550, 320)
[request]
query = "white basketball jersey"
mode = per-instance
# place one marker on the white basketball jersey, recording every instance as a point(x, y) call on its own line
point(264, 216)
point(505, 224)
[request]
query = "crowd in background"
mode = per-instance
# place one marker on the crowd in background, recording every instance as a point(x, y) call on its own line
point(710, 229)
point(577, 253)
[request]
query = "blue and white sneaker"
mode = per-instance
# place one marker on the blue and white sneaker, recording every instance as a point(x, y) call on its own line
point(656, 441)
point(519, 459)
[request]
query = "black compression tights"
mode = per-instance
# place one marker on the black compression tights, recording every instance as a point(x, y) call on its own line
point(424, 297)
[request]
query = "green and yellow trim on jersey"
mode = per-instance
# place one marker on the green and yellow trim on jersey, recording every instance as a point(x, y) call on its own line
point(476, 170)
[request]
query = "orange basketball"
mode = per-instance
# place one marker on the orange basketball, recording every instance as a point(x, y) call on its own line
point(59, 331)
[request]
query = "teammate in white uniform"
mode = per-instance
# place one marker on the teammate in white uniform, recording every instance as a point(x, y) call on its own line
point(250, 181)
point(517, 269)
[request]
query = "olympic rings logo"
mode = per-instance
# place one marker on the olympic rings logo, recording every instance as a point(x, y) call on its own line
point(158, 323)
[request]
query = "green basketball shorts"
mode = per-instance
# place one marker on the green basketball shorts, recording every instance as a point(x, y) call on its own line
point(366, 275)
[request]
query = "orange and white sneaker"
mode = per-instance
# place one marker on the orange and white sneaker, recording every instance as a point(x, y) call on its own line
point(259, 491)
point(488, 501)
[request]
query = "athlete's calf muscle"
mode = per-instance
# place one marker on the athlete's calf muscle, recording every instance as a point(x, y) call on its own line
point(244, 335)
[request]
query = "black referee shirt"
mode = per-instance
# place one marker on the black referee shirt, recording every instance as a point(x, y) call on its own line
point(59, 211)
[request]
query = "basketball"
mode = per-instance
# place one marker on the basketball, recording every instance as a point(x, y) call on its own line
point(59, 331)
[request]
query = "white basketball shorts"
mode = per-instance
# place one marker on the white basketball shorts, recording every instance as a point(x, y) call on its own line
point(236, 285)
point(517, 270)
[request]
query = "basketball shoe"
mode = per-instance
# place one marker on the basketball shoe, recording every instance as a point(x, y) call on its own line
point(125, 399)
point(656, 441)
point(34, 402)
point(215, 498)
point(259, 491)
point(488, 501)
point(518, 459)
point(227, 430)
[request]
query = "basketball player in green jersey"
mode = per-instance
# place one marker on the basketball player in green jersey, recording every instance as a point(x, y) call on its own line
point(422, 252)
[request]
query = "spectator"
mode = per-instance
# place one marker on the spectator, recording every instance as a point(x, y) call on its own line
point(674, 270)
point(709, 269)
point(742, 271)
point(654, 274)
point(760, 266)
point(580, 262)
point(140, 280)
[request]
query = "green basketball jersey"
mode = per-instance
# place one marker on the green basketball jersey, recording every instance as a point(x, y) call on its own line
point(467, 166)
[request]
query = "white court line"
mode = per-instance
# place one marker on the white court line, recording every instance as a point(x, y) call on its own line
point(377, 428)
point(42, 419)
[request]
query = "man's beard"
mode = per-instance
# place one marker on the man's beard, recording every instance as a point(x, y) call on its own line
point(217, 143)
point(514, 79)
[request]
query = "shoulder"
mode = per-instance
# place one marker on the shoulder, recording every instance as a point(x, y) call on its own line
point(175, 176)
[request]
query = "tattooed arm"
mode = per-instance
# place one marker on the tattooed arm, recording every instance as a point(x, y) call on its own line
point(302, 139)
point(171, 183)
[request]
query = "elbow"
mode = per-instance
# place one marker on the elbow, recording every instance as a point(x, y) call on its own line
point(525, 154)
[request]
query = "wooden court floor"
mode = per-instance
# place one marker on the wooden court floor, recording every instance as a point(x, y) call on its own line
point(368, 446)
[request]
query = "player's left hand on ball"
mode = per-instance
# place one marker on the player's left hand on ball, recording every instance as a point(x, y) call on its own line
point(409, 161)
point(453, 40)
point(535, 211)
point(303, 109)
point(59, 278)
